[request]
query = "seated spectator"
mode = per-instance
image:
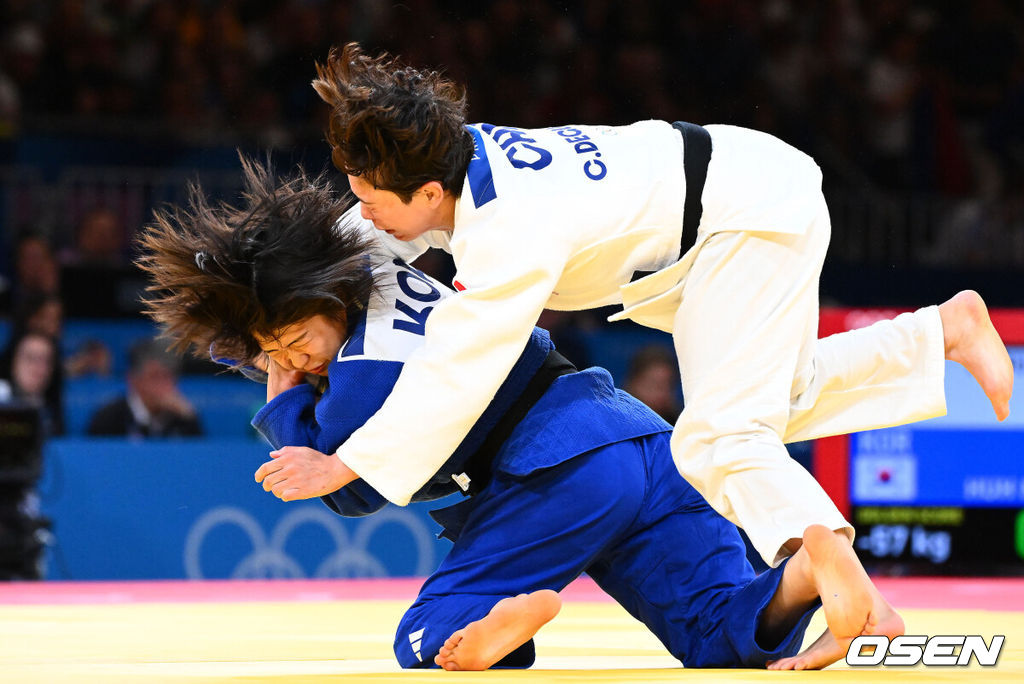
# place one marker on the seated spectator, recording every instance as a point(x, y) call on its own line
point(92, 358)
point(27, 374)
point(99, 241)
point(653, 378)
point(153, 405)
point(97, 279)
point(34, 270)
point(41, 312)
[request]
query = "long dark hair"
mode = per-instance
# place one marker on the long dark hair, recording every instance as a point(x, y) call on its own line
point(220, 274)
point(396, 126)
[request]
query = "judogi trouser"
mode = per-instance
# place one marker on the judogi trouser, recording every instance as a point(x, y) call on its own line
point(622, 514)
point(742, 306)
point(759, 376)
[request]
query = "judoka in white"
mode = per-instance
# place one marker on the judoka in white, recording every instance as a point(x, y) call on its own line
point(731, 225)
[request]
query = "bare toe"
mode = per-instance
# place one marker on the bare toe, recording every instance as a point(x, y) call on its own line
point(782, 664)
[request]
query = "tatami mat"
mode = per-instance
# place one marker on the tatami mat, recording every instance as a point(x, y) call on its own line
point(336, 630)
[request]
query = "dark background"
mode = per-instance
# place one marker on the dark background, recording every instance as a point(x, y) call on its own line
point(914, 110)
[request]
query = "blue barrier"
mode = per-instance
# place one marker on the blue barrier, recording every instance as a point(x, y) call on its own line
point(178, 509)
point(224, 403)
point(83, 396)
point(118, 335)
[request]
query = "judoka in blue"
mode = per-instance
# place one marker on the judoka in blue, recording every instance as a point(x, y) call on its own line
point(584, 482)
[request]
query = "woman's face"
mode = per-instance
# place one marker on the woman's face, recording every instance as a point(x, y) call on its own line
point(32, 365)
point(309, 345)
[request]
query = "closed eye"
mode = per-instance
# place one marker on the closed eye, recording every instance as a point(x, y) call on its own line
point(300, 339)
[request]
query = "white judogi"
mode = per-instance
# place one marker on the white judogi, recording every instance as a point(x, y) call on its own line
point(561, 218)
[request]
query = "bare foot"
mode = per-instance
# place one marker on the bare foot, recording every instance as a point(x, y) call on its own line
point(845, 589)
point(972, 341)
point(510, 624)
point(826, 649)
point(853, 605)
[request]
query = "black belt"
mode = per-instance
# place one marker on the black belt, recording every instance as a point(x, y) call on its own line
point(477, 467)
point(696, 156)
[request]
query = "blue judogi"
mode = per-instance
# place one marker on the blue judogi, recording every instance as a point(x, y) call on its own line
point(585, 482)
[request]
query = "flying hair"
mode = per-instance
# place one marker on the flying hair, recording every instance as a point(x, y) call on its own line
point(221, 274)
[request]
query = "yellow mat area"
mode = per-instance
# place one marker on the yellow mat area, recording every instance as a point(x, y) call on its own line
point(351, 641)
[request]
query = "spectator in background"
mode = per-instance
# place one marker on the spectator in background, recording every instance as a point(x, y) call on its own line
point(91, 358)
point(28, 374)
point(153, 405)
point(99, 241)
point(97, 278)
point(653, 378)
point(34, 268)
point(41, 312)
point(891, 95)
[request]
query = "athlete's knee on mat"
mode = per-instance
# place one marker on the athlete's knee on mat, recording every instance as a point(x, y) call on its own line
point(416, 649)
point(408, 659)
point(706, 649)
point(718, 651)
point(423, 630)
point(714, 650)
point(720, 658)
point(415, 643)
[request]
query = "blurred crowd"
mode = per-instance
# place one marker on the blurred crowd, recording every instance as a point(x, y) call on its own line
point(918, 99)
point(903, 96)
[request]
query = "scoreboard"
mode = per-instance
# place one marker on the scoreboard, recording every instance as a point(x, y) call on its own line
point(943, 496)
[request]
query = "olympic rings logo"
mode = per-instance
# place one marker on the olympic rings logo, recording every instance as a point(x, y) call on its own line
point(269, 559)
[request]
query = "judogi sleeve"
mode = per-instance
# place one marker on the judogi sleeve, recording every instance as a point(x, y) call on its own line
point(472, 342)
point(290, 419)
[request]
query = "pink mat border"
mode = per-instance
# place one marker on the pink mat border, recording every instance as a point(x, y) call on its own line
point(998, 594)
